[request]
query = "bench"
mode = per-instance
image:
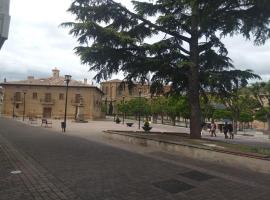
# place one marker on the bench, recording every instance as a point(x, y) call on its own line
point(32, 120)
point(46, 123)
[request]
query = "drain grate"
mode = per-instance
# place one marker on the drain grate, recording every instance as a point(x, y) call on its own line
point(173, 186)
point(197, 176)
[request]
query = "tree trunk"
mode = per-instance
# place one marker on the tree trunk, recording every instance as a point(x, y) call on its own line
point(154, 118)
point(173, 121)
point(186, 123)
point(193, 92)
point(234, 127)
point(162, 119)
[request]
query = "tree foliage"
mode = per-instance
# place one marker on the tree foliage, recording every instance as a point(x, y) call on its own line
point(112, 38)
point(261, 92)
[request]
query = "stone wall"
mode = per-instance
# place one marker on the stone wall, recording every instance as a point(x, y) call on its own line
point(92, 99)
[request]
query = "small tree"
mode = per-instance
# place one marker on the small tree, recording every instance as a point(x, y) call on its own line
point(207, 110)
point(261, 92)
point(261, 115)
point(184, 108)
point(172, 108)
point(220, 114)
point(245, 117)
point(138, 106)
point(158, 107)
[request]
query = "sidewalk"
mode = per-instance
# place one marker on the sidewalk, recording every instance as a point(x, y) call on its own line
point(23, 178)
point(96, 171)
point(248, 138)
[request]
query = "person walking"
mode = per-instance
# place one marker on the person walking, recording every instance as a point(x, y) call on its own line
point(213, 129)
point(225, 130)
point(230, 129)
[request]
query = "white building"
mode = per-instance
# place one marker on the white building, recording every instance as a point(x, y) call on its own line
point(4, 21)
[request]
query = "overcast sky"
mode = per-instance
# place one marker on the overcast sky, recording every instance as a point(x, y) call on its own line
point(37, 44)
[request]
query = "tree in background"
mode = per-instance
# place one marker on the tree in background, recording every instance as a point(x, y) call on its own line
point(158, 106)
point(112, 38)
point(220, 114)
point(207, 109)
point(244, 118)
point(228, 91)
point(172, 108)
point(136, 106)
point(261, 115)
point(261, 92)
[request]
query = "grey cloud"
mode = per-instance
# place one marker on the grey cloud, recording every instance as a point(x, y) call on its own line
point(35, 46)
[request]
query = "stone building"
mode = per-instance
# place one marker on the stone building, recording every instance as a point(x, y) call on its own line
point(4, 21)
point(116, 91)
point(45, 98)
point(1, 99)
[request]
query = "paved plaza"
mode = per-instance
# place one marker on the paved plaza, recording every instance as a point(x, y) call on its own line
point(44, 163)
point(82, 129)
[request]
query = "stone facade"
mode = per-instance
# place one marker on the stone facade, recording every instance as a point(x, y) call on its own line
point(4, 21)
point(45, 98)
point(1, 99)
point(116, 91)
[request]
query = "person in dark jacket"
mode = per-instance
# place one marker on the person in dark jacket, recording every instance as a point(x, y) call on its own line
point(230, 129)
point(226, 130)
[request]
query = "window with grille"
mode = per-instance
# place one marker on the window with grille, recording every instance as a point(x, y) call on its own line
point(48, 97)
point(34, 95)
point(77, 98)
point(18, 96)
point(61, 96)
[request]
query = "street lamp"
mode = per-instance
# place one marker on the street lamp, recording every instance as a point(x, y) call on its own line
point(67, 80)
point(24, 93)
point(13, 109)
point(124, 109)
point(111, 110)
point(106, 106)
point(140, 93)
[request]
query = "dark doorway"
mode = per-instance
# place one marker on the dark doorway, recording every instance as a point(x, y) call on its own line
point(47, 112)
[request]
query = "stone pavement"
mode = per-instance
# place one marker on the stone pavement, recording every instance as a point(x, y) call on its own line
point(81, 165)
point(24, 178)
point(99, 126)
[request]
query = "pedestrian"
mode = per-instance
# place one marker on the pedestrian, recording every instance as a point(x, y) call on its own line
point(202, 127)
point(213, 129)
point(225, 130)
point(230, 129)
point(208, 127)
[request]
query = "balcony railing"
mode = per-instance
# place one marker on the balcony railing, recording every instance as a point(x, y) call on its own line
point(47, 101)
point(16, 100)
point(75, 102)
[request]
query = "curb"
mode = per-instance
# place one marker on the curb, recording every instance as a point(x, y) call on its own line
point(251, 162)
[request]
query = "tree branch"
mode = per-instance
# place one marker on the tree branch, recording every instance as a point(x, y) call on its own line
point(158, 28)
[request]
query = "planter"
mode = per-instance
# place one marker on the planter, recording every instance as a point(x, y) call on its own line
point(129, 124)
point(147, 128)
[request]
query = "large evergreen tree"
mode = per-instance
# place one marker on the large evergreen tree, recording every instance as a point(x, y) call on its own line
point(113, 38)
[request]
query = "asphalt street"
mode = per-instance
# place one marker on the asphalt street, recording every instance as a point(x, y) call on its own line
point(54, 165)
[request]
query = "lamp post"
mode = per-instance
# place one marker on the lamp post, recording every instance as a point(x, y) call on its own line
point(67, 80)
point(123, 108)
point(106, 105)
point(13, 109)
point(140, 93)
point(111, 104)
point(24, 93)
